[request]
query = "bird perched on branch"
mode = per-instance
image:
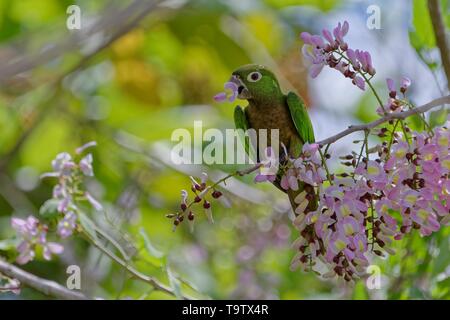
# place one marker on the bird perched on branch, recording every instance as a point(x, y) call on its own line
point(268, 108)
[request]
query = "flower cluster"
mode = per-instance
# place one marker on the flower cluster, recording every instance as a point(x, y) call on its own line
point(332, 50)
point(202, 194)
point(33, 234)
point(66, 193)
point(394, 103)
point(415, 181)
point(70, 175)
point(406, 187)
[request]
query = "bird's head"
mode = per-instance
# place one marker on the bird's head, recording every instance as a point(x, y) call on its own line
point(256, 82)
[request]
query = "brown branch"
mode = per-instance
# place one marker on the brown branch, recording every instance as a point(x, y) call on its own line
point(441, 38)
point(47, 287)
point(401, 115)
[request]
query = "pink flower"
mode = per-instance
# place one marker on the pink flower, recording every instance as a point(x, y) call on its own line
point(184, 197)
point(289, 180)
point(230, 93)
point(349, 226)
point(311, 152)
point(33, 234)
point(63, 164)
point(404, 84)
point(51, 248)
point(317, 59)
point(359, 82)
point(427, 219)
point(86, 165)
point(265, 178)
point(329, 37)
point(339, 32)
point(97, 205)
point(352, 56)
point(337, 243)
point(269, 167)
point(319, 54)
point(81, 149)
point(67, 224)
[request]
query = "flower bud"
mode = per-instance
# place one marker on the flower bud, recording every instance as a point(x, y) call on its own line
point(216, 194)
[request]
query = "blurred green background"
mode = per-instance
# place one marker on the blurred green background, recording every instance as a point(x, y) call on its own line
point(134, 79)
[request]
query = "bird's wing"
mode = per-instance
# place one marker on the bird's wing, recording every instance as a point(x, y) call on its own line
point(300, 117)
point(241, 122)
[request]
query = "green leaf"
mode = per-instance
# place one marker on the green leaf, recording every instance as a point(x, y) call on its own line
point(438, 117)
point(359, 292)
point(423, 35)
point(174, 284)
point(366, 109)
point(88, 225)
point(49, 209)
point(441, 261)
point(415, 122)
point(149, 246)
point(324, 5)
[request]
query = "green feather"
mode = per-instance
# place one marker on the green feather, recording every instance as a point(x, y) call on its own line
point(241, 122)
point(300, 117)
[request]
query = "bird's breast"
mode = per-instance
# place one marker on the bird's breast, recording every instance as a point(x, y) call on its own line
point(272, 117)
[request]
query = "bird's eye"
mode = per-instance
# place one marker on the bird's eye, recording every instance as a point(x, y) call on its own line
point(254, 76)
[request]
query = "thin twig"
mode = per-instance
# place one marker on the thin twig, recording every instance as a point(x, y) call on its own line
point(47, 287)
point(401, 115)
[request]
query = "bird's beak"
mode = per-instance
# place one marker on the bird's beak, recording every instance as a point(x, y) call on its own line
point(243, 92)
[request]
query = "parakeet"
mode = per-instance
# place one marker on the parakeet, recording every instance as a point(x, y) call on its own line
point(268, 108)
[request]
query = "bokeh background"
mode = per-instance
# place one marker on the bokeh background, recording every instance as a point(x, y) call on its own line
point(138, 70)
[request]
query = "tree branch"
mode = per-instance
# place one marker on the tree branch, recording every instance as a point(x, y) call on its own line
point(441, 38)
point(401, 115)
point(47, 287)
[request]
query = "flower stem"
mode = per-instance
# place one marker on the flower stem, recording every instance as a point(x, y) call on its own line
point(324, 163)
point(392, 138)
point(373, 91)
point(372, 213)
point(224, 179)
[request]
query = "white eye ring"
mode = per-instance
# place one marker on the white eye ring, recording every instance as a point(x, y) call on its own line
point(254, 76)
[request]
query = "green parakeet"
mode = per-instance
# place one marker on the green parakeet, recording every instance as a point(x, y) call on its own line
point(268, 108)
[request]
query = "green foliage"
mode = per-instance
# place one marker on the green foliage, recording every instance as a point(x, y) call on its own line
point(325, 5)
point(49, 209)
point(129, 98)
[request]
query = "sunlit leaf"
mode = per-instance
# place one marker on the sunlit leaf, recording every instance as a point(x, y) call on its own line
point(438, 117)
point(149, 246)
point(49, 209)
point(88, 225)
point(174, 284)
